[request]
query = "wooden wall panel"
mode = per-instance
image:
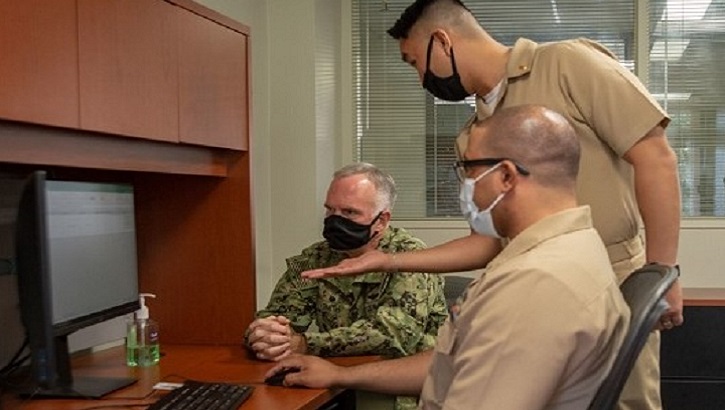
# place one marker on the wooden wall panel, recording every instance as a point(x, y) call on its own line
point(196, 254)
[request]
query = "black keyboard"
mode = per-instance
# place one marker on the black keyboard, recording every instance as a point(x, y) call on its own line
point(194, 395)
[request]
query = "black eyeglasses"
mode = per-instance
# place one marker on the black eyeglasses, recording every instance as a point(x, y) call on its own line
point(460, 166)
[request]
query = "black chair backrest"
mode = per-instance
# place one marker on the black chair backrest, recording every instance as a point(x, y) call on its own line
point(454, 287)
point(644, 292)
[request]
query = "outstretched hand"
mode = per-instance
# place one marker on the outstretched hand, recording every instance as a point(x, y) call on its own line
point(314, 372)
point(372, 261)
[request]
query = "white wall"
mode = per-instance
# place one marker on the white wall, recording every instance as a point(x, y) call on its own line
point(701, 255)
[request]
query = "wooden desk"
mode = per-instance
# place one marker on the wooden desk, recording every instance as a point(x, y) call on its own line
point(704, 296)
point(180, 362)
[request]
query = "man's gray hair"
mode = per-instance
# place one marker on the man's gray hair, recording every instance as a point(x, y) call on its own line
point(383, 182)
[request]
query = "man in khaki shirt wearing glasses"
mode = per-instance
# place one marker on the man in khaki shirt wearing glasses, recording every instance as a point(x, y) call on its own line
point(540, 328)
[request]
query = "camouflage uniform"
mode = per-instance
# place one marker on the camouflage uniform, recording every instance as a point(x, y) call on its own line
point(377, 313)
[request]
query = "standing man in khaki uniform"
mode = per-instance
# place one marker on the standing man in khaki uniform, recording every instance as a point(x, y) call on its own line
point(628, 172)
point(542, 326)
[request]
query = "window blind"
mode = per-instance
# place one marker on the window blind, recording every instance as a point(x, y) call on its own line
point(686, 46)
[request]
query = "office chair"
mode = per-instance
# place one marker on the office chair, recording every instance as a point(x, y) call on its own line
point(644, 292)
point(454, 287)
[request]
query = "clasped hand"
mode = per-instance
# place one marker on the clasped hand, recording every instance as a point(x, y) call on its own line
point(271, 338)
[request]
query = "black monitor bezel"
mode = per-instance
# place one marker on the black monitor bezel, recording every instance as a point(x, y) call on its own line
point(48, 342)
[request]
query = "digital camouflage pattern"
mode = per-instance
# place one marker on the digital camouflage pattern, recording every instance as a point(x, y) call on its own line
point(377, 313)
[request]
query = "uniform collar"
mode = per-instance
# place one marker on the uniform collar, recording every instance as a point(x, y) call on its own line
point(521, 59)
point(560, 223)
point(519, 64)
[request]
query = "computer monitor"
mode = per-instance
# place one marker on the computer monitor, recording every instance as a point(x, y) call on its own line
point(76, 266)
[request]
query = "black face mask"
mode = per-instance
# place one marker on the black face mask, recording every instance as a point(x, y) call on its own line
point(344, 234)
point(448, 88)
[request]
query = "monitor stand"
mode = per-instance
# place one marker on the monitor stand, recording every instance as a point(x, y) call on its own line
point(82, 387)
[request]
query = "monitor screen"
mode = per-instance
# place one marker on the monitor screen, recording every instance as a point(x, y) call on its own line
point(92, 248)
point(77, 266)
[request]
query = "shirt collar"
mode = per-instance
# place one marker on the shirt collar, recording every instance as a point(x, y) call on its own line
point(519, 64)
point(558, 224)
point(521, 59)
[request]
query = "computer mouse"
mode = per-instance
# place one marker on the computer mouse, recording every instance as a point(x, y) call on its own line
point(278, 378)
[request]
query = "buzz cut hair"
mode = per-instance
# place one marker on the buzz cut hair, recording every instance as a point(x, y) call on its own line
point(413, 13)
point(541, 139)
point(384, 183)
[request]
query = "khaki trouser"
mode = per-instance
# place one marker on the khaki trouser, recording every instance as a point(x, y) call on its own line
point(642, 389)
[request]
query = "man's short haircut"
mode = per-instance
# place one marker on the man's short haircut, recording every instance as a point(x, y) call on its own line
point(414, 12)
point(383, 182)
point(540, 139)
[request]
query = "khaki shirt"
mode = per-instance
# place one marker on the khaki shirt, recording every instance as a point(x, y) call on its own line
point(538, 330)
point(609, 109)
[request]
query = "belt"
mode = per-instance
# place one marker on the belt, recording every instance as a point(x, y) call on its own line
point(625, 249)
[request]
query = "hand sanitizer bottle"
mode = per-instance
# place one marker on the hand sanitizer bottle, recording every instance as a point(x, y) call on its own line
point(142, 337)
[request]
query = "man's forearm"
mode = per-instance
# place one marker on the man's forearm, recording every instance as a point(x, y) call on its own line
point(658, 195)
point(404, 376)
point(657, 189)
point(363, 338)
point(467, 253)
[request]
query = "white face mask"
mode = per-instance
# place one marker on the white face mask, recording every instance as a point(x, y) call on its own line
point(480, 221)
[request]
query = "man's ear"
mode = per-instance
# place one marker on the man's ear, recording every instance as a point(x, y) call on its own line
point(384, 219)
point(462, 142)
point(509, 175)
point(441, 37)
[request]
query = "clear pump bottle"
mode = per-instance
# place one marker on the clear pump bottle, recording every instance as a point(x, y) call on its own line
point(142, 337)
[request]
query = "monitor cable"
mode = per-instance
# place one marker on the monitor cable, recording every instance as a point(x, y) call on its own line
point(16, 360)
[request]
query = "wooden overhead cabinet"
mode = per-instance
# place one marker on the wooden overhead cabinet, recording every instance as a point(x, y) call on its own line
point(169, 71)
point(160, 70)
point(38, 62)
point(212, 84)
point(129, 68)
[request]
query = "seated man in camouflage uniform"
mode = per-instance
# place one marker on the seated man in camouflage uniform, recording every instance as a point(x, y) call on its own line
point(376, 313)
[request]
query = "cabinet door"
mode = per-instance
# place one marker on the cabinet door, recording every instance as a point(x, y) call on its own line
point(128, 68)
point(38, 62)
point(212, 84)
point(691, 361)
